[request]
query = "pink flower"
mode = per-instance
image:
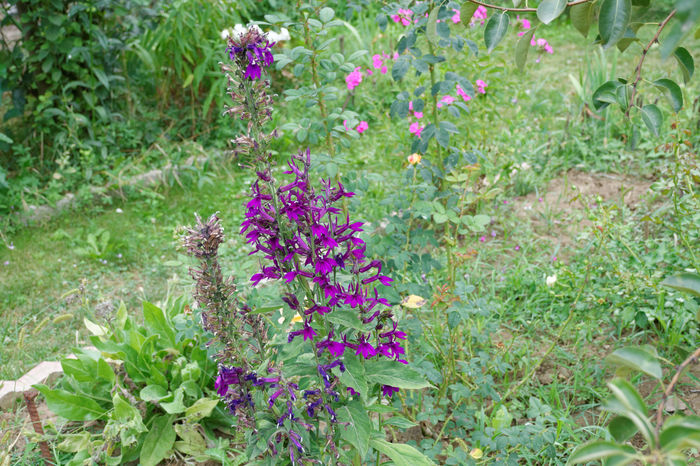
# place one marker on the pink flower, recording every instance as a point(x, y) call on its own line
point(383, 70)
point(410, 105)
point(354, 79)
point(403, 17)
point(345, 125)
point(455, 18)
point(418, 115)
point(480, 15)
point(541, 42)
point(481, 86)
point(517, 248)
point(396, 55)
point(362, 127)
point(415, 129)
point(377, 61)
point(463, 94)
point(482, 239)
point(525, 25)
point(448, 99)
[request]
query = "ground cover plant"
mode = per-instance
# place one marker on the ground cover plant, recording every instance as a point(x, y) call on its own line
point(523, 287)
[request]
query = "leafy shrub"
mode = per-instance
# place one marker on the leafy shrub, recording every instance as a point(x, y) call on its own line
point(148, 388)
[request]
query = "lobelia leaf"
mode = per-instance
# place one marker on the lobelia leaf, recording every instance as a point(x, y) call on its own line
point(200, 409)
point(394, 374)
point(549, 10)
point(582, 17)
point(686, 63)
point(613, 19)
point(401, 454)
point(354, 375)
point(688, 282)
point(522, 48)
point(637, 358)
point(158, 441)
point(651, 115)
point(154, 318)
point(672, 91)
point(358, 425)
point(495, 29)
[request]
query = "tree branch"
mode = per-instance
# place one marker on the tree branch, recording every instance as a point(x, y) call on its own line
point(503, 8)
point(645, 50)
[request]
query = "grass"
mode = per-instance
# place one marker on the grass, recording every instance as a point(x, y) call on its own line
point(608, 260)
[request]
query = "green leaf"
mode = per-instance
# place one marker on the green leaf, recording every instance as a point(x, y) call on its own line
point(501, 419)
point(5, 138)
point(192, 442)
point(637, 358)
point(613, 19)
point(605, 95)
point(102, 77)
point(549, 10)
point(158, 441)
point(153, 393)
point(622, 429)
point(123, 411)
point(495, 30)
point(354, 375)
point(688, 282)
point(154, 318)
point(400, 422)
point(651, 115)
point(176, 406)
point(627, 402)
point(200, 409)
point(522, 48)
point(71, 406)
point(400, 454)
point(346, 318)
point(326, 14)
point(467, 11)
point(395, 374)
point(358, 425)
point(105, 371)
point(400, 67)
point(672, 91)
point(598, 451)
point(431, 27)
point(680, 432)
point(686, 62)
point(582, 17)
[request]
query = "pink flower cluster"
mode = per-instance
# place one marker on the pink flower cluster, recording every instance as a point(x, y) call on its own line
point(360, 128)
point(480, 16)
point(403, 17)
point(379, 62)
point(481, 86)
point(415, 127)
point(542, 44)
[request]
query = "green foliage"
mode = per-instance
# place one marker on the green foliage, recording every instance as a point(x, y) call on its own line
point(152, 386)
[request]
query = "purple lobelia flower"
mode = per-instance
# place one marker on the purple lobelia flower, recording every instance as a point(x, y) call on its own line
point(251, 51)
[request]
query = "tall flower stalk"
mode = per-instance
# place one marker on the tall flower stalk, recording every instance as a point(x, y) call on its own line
point(311, 247)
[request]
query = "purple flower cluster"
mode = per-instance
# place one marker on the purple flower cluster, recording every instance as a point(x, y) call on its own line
point(251, 50)
point(304, 236)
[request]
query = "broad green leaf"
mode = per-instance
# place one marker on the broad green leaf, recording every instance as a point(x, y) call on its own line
point(176, 406)
point(354, 375)
point(629, 37)
point(347, 319)
point(400, 67)
point(326, 14)
point(395, 374)
point(672, 91)
point(582, 16)
point(606, 94)
point(613, 19)
point(467, 11)
point(153, 393)
point(71, 406)
point(357, 425)
point(158, 441)
point(74, 443)
point(96, 329)
point(495, 30)
point(154, 319)
point(522, 48)
point(431, 27)
point(123, 411)
point(680, 432)
point(501, 419)
point(192, 442)
point(105, 371)
point(651, 115)
point(401, 454)
point(637, 358)
point(400, 422)
point(598, 451)
point(621, 428)
point(688, 282)
point(686, 63)
point(5, 138)
point(200, 409)
point(627, 402)
point(549, 10)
